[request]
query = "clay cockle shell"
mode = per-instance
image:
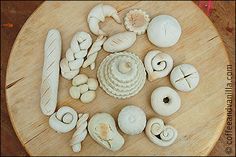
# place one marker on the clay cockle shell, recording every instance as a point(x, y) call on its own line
point(157, 64)
point(137, 21)
point(103, 130)
point(165, 101)
point(119, 42)
point(164, 31)
point(184, 77)
point(64, 120)
point(160, 134)
point(132, 120)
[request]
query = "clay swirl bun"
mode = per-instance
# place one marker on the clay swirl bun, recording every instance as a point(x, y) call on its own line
point(157, 64)
point(64, 120)
point(121, 75)
point(160, 134)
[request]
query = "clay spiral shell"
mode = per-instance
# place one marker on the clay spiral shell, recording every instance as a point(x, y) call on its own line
point(160, 134)
point(157, 64)
point(121, 75)
point(80, 133)
point(70, 66)
point(64, 120)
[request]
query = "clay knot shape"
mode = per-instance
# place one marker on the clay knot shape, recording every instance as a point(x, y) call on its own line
point(71, 64)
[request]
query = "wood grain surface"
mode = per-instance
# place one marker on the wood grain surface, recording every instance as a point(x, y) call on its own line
point(229, 29)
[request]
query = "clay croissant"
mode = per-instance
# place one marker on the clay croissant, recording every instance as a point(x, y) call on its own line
point(98, 14)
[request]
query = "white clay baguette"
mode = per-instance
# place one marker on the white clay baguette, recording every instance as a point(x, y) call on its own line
point(50, 76)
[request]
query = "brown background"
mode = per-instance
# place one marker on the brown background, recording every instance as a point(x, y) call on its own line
point(14, 15)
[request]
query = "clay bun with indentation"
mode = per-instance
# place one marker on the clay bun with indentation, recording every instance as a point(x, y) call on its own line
point(136, 21)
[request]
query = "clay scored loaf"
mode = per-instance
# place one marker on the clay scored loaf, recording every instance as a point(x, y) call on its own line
point(50, 76)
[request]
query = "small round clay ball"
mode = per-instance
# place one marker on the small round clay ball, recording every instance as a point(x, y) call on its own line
point(132, 120)
point(164, 31)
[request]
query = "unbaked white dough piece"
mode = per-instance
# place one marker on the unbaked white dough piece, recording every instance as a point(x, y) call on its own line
point(119, 42)
point(98, 14)
point(64, 120)
point(50, 76)
point(164, 31)
point(71, 64)
point(159, 133)
point(184, 77)
point(132, 120)
point(102, 129)
point(80, 133)
point(136, 20)
point(157, 64)
point(165, 101)
point(93, 52)
point(121, 75)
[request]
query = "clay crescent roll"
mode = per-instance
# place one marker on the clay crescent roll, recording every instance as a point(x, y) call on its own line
point(50, 76)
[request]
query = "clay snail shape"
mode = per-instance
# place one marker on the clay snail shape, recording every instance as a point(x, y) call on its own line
point(98, 14)
point(80, 133)
point(103, 130)
point(165, 101)
point(64, 120)
point(132, 120)
point(157, 64)
point(184, 77)
point(160, 134)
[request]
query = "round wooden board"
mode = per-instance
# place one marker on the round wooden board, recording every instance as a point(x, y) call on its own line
point(199, 121)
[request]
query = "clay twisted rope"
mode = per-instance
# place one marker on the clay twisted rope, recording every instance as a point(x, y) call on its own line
point(70, 65)
point(93, 52)
point(80, 133)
